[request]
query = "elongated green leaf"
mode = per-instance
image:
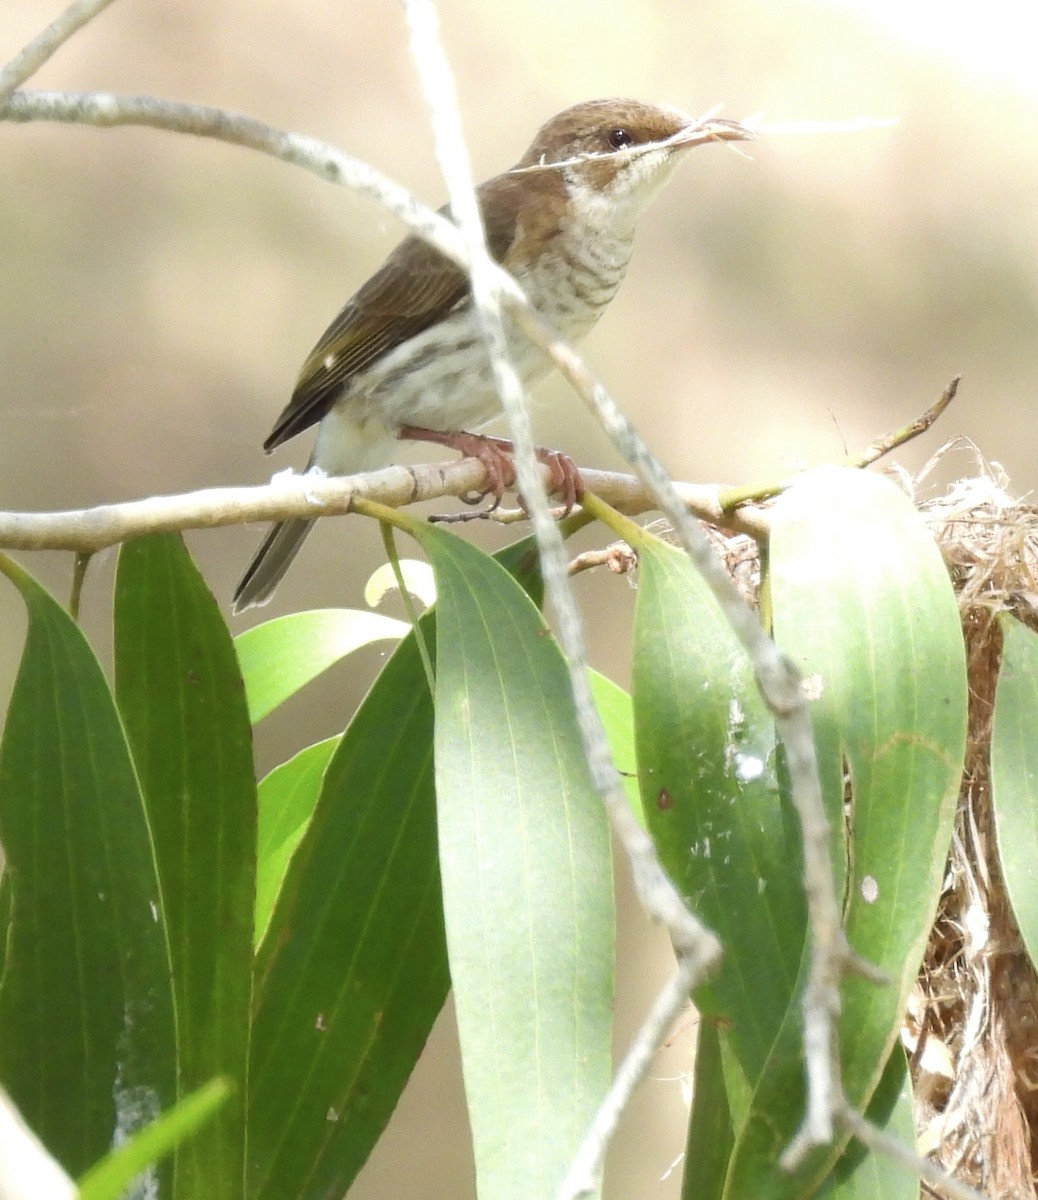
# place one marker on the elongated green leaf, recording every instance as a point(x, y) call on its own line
point(183, 705)
point(287, 797)
point(86, 1022)
point(281, 656)
point(617, 714)
point(527, 882)
point(1014, 774)
point(710, 788)
point(707, 767)
point(110, 1178)
point(353, 969)
point(862, 601)
point(863, 604)
point(711, 1138)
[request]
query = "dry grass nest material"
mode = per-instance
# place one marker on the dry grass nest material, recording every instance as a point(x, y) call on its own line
point(972, 1025)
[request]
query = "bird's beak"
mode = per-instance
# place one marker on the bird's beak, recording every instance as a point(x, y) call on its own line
point(711, 129)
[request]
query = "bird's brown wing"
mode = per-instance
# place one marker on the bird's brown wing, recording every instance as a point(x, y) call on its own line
point(415, 287)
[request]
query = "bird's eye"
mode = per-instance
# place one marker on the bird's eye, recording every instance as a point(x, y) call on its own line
point(618, 138)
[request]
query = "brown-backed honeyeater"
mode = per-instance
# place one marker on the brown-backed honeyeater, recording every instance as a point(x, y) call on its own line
point(405, 356)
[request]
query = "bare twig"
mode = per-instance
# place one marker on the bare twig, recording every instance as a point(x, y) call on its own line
point(879, 1141)
point(779, 683)
point(583, 1175)
point(697, 947)
point(906, 433)
point(756, 493)
point(29, 60)
point(106, 110)
point(618, 558)
point(658, 894)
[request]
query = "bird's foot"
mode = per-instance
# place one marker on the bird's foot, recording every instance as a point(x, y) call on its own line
point(496, 456)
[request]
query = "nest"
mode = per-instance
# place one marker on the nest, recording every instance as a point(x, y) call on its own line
point(972, 1020)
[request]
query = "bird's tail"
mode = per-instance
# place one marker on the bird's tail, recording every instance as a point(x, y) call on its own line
point(344, 447)
point(270, 562)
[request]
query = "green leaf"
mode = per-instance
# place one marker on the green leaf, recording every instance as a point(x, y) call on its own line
point(281, 656)
point(527, 880)
point(110, 1178)
point(862, 602)
point(353, 970)
point(1014, 774)
point(183, 705)
point(864, 606)
point(725, 833)
point(708, 1149)
point(287, 797)
point(86, 1022)
point(617, 714)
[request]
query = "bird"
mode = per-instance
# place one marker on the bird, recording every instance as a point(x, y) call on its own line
point(404, 358)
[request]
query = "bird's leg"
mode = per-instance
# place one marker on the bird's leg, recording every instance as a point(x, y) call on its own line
point(496, 456)
point(565, 478)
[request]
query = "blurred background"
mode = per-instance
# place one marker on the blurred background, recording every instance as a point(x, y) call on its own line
point(783, 306)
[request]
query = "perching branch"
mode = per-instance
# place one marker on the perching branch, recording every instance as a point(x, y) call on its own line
point(88, 530)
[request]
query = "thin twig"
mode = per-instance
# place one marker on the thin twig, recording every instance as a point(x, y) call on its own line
point(106, 110)
point(585, 1170)
point(697, 946)
point(42, 47)
point(779, 683)
point(662, 899)
point(906, 433)
point(880, 1141)
point(618, 558)
point(757, 493)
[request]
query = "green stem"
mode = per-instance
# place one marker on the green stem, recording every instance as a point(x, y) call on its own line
point(631, 532)
point(394, 561)
point(79, 570)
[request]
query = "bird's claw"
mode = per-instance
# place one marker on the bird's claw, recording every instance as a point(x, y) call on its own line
point(496, 455)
